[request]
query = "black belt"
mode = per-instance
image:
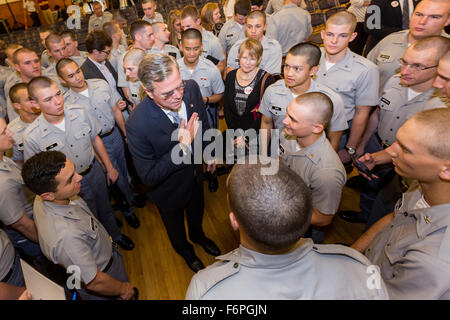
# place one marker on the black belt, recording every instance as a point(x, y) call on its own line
point(88, 169)
point(8, 275)
point(107, 134)
point(108, 266)
point(383, 144)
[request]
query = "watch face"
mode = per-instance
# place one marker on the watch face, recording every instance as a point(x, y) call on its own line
point(351, 151)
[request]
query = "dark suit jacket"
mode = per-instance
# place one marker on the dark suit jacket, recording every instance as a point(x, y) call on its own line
point(149, 132)
point(391, 21)
point(91, 71)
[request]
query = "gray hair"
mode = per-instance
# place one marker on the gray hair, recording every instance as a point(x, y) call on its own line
point(156, 67)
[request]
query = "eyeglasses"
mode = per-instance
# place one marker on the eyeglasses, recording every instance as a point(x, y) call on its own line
point(414, 66)
point(296, 68)
point(107, 52)
point(167, 95)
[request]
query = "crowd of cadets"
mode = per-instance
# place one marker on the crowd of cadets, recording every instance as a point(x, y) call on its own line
point(361, 106)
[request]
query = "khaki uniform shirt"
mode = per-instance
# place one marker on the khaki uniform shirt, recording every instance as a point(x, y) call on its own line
point(71, 235)
point(413, 251)
point(308, 272)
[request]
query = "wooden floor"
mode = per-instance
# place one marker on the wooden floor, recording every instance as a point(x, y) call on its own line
point(161, 274)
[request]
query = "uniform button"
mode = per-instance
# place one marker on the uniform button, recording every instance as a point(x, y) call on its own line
point(388, 245)
point(235, 265)
point(406, 214)
point(398, 117)
point(392, 225)
point(71, 145)
point(324, 74)
point(76, 156)
point(390, 129)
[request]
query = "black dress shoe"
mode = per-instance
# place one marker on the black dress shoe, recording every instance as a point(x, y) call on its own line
point(351, 216)
point(194, 263)
point(133, 221)
point(139, 201)
point(210, 247)
point(125, 243)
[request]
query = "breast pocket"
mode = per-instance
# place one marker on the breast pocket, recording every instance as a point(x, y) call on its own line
point(83, 138)
point(51, 145)
point(384, 58)
point(386, 104)
point(277, 110)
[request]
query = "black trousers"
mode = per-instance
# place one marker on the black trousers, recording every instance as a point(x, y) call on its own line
point(36, 22)
point(173, 220)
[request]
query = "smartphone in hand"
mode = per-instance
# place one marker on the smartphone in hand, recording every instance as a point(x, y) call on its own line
point(361, 167)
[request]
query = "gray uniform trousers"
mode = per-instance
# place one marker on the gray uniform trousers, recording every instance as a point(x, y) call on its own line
point(116, 152)
point(95, 192)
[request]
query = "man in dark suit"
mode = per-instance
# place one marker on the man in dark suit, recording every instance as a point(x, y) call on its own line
point(97, 66)
point(176, 187)
point(391, 20)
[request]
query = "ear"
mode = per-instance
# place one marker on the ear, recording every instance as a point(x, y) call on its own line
point(313, 71)
point(16, 105)
point(148, 92)
point(445, 172)
point(34, 104)
point(234, 222)
point(322, 34)
point(48, 196)
point(353, 36)
point(16, 66)
point(318, 128)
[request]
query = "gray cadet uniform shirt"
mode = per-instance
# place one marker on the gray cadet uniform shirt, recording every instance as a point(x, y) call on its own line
point(211, 46)
point(137, 93)
point(289, 26)
point(308, 272)
point(121, 76)
point(15, 199)
point(386, 54)
point(96, 23)
point(115, 55)
point(157, 17)
point(100, 102)
point(231, 32)
point(320, 168)
point(7, 254)
point(277, 97)
point(75, 142)
point(395, 109)
point(167, 49)
point(355, 78)
point(413, 251)
point(5, 72)
point(206, 74)
point(18, 127)
point(46, 59)
point(271, 58)
point(71, 235)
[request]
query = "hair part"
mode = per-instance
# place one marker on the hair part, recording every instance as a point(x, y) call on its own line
point(39, 172)
point(155, 67)
point(273, 210)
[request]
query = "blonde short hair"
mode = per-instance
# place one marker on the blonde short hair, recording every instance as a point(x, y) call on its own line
point(253, 47)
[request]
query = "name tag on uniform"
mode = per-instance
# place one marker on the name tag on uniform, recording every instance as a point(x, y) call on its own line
point(383, 99)
point(50, 147)
point(230, 35)
point(276, 108)
point(384, 56)
point(281, 149)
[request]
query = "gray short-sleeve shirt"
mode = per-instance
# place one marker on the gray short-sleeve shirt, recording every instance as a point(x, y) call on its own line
point(206, 74)
point(7, 254)
point(231, 32)
point(71, 235)
point(100, 102)
point(75, 142)
point(396, 109)
point(289, 26)
point(18, 127)
point(320, 168)
point(167, 49)
point(355, 78)
point(211, 47)
point(15, 199)
point(277, 97)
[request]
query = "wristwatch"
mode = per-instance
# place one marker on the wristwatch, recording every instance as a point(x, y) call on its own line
point(207, 100)
point(350, 151)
